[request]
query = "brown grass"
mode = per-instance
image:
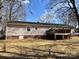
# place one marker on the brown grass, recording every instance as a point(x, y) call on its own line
point(67, 46)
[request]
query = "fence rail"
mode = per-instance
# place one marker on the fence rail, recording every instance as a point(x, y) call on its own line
point(33, 52)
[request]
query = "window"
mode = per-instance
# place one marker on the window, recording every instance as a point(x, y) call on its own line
point(35, 28)
point(28, 28)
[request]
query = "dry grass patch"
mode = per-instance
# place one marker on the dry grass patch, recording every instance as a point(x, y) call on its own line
point(69, 47)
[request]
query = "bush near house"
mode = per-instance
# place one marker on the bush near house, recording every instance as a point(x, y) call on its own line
point(2, 35)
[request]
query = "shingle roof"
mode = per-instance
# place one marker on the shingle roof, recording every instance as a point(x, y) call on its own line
point(37, 23)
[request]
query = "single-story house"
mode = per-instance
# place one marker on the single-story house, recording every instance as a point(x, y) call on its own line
point(23, 30)
point(76, 32)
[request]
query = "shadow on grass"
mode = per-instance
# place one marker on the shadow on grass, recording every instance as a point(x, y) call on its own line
point(38, 57)
point(35, 55)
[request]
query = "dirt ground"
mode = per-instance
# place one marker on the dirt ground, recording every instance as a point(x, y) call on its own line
point(66, 47)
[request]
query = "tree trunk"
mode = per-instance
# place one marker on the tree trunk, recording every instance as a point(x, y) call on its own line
point(74, 9)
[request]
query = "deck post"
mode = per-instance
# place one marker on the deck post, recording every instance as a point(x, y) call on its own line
point(6, 33)
point(55, 37)
point(62, 36)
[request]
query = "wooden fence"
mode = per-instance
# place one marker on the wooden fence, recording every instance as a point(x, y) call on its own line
point(26, 52)
point(32, 53)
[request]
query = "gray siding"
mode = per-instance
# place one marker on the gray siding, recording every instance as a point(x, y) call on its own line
point(23, 31)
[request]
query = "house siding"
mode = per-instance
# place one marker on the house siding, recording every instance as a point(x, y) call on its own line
point(22, 31)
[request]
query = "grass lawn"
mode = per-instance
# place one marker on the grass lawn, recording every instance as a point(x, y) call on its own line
point(68, 46)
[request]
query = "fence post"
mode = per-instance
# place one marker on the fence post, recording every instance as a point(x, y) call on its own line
point(49, 52)
point(21, 50)
point(4, 47)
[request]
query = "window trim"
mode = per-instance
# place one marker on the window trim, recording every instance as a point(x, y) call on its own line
point(28, 28)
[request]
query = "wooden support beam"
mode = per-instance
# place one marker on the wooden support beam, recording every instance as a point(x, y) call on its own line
point(62, 36)
point(55, 37)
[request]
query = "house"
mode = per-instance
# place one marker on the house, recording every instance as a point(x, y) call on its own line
point(76, 32)
point(23, 30)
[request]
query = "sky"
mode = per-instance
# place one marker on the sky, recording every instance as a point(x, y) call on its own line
point(37, 8)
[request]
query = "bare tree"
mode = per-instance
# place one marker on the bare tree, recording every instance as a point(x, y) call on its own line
point(46, 17)
point(1, 9)
point(65, 8)
point(13, 10)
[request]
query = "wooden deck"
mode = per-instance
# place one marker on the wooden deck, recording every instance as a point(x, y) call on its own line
point(62, 33)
